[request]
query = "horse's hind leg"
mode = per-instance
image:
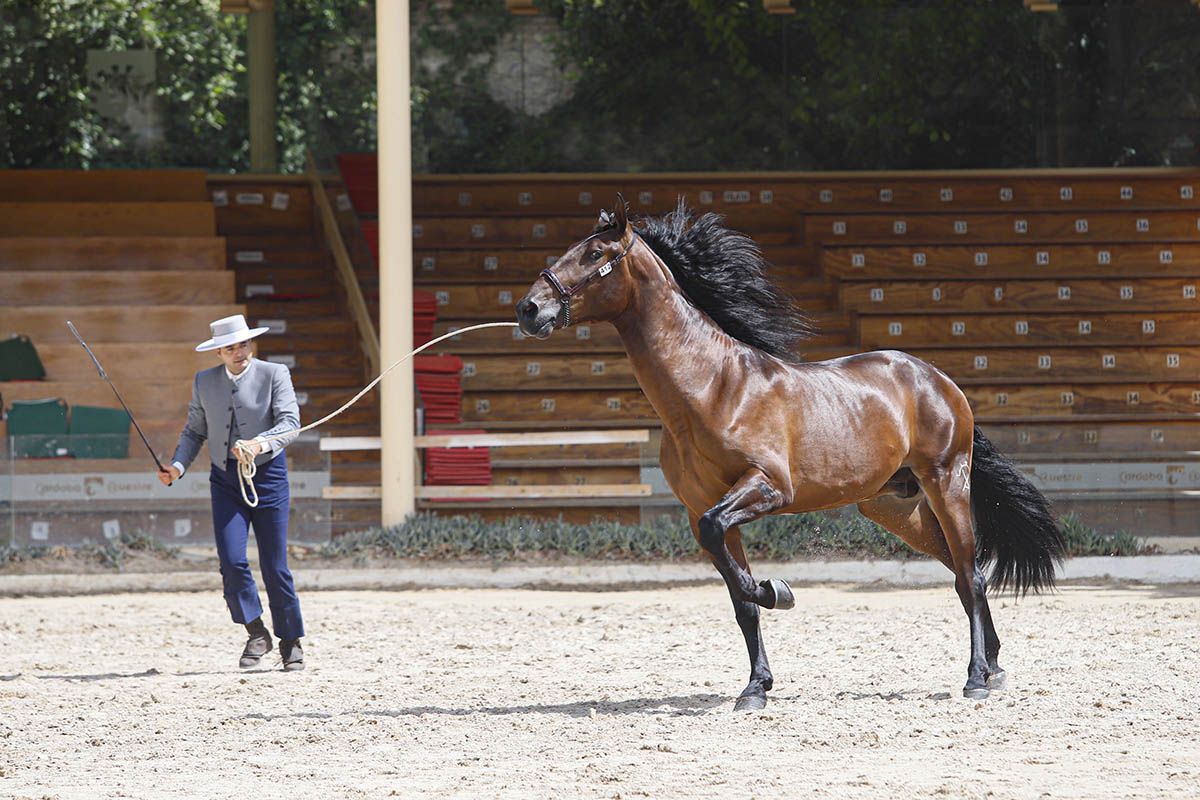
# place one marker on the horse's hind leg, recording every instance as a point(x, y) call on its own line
point(947, 491)
point(913, 521)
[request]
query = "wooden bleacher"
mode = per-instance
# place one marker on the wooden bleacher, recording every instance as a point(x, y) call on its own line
point(133, 259)
point(1062, 301)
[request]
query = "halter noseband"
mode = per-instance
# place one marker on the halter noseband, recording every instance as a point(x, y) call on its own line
point(565, 294)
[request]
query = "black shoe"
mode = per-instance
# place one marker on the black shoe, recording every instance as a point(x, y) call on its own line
point(292, 653)
point(257, 646)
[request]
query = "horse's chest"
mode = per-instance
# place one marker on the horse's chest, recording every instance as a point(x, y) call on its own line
point(697, 478)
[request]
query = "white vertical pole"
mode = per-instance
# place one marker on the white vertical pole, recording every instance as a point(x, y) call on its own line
point(396, 407)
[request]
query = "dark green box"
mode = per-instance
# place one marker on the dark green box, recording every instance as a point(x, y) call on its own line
point(38, 428)
point(19, 360)
point(97, 432)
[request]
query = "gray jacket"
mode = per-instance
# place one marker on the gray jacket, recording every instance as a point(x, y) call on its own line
point(265, 403)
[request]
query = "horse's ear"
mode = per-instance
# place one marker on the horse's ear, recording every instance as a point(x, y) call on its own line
point(620, 216)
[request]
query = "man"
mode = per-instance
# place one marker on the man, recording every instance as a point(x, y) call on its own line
point(242, 401)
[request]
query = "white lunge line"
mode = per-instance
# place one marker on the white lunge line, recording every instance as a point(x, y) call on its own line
point(246, 466)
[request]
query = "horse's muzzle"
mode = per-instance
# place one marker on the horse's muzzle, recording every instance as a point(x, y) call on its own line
point(534, 321)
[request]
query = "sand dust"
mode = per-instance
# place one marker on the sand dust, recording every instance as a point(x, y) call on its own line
point(621, 694)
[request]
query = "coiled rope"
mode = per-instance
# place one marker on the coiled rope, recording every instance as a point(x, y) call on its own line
point(247, 469)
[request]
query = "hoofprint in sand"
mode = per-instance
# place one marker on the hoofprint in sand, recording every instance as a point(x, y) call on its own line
point(494, 693)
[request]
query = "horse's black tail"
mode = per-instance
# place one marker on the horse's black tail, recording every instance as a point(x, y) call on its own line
point(1013, 523)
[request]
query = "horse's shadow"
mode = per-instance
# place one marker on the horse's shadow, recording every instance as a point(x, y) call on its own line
point(149, 673)
point(686, 705)
point(899, 694)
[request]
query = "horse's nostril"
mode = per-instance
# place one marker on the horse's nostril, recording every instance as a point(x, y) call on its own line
point(526, 309)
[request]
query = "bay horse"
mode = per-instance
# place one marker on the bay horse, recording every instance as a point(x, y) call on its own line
point(750, 429)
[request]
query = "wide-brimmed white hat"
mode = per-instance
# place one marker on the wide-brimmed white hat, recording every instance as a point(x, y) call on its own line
point(229, 330)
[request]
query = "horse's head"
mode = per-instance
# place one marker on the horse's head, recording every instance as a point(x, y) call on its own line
point(589, 283)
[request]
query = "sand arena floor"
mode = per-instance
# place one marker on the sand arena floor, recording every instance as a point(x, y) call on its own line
point(614, 695)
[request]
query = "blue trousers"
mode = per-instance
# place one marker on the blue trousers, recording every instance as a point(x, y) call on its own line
point(232, 519)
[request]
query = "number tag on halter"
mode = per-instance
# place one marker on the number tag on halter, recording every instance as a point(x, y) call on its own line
point(607, 268)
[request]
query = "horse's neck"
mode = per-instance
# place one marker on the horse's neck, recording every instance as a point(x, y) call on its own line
point(677, 352)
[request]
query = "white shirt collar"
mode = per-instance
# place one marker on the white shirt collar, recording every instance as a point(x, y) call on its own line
point(245, 372)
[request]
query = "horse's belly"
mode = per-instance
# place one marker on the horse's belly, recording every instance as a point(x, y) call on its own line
point(840, 479)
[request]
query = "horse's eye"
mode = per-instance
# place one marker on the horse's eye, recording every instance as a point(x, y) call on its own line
point(595, 255)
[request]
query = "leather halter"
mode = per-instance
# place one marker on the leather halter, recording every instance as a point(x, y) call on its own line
point(566, 293)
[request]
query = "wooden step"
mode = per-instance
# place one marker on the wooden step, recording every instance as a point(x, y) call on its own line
point(759, 193)
point(126, 288)
point(290, 257)
point(107, 219)
point(299, 327)
point(187, 324)
point(1012, 261)
point(102, 185)
point(260, 306)
point(252, 208)
point(168, 400)
point(1058, 364)
point(1127, 400)
point(1092, 226)
point(449, 233)
point(1001, 191)
point(149, 402)
point(570, 409)
point(284, 278)
point(167, 253)
point(498, 301)
point(760, 200)
point(1032, 330)
point(1067, 440)
point(328, 343)
point(125, 362)
point(163, 434)
point(578, 339)
point(517, 265)
point(180, 361)
point(238, 241)
point(524, 373)
point(1057, 296)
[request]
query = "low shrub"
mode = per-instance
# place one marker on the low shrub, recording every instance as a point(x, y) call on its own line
point(813, 535)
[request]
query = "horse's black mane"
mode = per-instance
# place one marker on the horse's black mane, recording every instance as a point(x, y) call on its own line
point(724, 274)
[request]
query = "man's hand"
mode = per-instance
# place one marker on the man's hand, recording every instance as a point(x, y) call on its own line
point(168, 475)
point(253, 448)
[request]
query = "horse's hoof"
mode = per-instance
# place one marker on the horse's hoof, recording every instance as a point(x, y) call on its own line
point(976, 692)
point(997, 679)
point(781, 594)
point(751, 702)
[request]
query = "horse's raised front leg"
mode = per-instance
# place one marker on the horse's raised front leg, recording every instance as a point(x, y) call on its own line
point(750, 498)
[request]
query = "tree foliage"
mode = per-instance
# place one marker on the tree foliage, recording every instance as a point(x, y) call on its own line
point(653, 84)
point(47, 119)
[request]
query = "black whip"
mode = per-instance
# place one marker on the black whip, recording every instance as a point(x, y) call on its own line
point(104, 375)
